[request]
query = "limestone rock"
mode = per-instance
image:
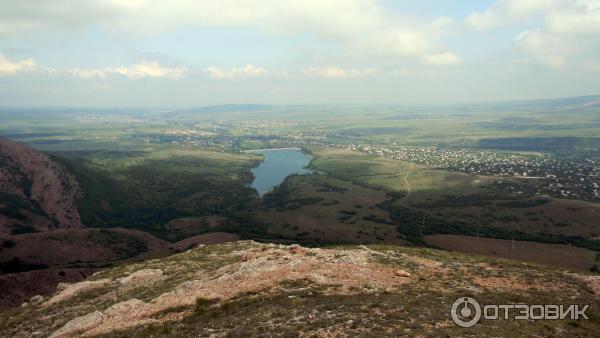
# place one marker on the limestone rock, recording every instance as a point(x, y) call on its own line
point(402, 273)
point(35, 300)
point(72, 290)
point(142, 277)
point(79, 325)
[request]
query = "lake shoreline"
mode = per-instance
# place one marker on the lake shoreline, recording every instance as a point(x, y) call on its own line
point(277, 165)
point(271, 149)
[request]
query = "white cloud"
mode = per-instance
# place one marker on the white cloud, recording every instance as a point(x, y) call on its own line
point(560, 16)
point(248, 71)
point(442, 59)
point(485, 20)
point(443, 24)
point(144, 69)
point(505, 12)
point(575, 22)
point(8, 67)
point(569, 35)
point(338, 73)
point(362, 25)
point(550, 50)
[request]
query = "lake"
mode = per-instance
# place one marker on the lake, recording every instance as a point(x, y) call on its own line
point(277, 165)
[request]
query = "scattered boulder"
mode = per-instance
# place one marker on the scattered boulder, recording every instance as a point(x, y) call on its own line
point(402, 273)
point(296, 249)
point(142, 277)
point(35, 300)
point(128, 308)
point(68, 291)
point(79, 325)
point(371, 251)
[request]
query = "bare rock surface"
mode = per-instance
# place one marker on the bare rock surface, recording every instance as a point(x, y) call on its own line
point(145, 277)
point(260, 268)
point(79, 325)
point(69, 291)
point(270, 289)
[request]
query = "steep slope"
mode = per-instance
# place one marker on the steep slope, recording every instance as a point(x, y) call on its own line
point(19, 287)
point(36, 193)
point(33, 264)
point(251, 289)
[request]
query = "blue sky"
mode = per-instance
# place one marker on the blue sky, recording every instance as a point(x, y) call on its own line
point(185, 53)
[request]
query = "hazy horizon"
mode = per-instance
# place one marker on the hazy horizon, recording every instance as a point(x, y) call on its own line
point(419, 105)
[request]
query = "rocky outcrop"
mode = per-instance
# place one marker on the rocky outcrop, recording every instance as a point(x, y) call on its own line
point(260, 268)
point(144, 277)
point(251, 289)
point(69, 291)
point(79, 325)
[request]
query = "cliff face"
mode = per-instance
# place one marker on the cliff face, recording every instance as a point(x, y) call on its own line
point(250, 289)
point(38, 194)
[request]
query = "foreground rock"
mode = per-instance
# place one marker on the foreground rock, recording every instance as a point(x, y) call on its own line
point(266, 289)
point(69, 291)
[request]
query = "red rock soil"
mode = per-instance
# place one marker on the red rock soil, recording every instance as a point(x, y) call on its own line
point(52, 186)
point(260, 268)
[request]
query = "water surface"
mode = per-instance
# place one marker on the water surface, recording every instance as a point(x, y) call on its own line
point(277, 165)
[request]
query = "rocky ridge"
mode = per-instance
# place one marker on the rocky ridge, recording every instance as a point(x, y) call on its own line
point(257, 289)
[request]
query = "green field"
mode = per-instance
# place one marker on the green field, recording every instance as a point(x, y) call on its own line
point(435, 201)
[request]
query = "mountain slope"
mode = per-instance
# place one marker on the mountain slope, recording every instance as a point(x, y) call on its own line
point(251, 289)
point(37, 194)
point(33, 264)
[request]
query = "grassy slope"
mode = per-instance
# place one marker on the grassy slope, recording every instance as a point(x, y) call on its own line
point(146, 189)
point(569, 257)
point(328, 209)
point(437, 201)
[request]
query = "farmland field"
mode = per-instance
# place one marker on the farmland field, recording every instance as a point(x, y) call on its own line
point(565, 256)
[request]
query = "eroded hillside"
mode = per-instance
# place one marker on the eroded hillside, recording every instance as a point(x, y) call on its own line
point(38, 194)
point(249, 289)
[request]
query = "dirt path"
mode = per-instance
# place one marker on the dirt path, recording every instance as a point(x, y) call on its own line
point(406, 182)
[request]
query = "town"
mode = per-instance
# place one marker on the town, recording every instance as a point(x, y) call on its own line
point(544, 173)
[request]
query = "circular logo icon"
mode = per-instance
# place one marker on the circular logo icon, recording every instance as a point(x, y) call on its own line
point(466, 312)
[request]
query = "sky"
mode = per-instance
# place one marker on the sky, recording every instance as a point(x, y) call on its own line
point(184, 53)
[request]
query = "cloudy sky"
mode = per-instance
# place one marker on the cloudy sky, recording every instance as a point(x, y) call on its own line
point(181, 53)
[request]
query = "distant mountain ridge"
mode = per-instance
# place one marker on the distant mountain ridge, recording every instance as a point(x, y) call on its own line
point(546, 105)
point(225, 108)
point(555, 104)
point(586, 100)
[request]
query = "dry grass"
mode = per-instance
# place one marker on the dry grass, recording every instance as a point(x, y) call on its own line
point(559, 255)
